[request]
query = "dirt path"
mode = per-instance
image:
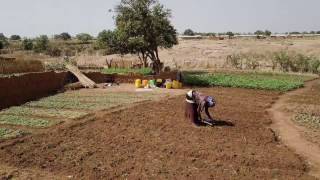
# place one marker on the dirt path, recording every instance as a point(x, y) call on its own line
point(292, 134)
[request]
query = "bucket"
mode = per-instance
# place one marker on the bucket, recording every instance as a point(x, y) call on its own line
point(152, 83)
point(145, 83)
point(138, 83)
point(180, 85)
point(168, 85)
point(176, 84)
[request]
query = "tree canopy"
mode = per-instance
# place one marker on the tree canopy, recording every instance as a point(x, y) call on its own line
point(63, 36)
point(143, 26)
point(188, 32)
point(84, 37)
point(15, 37)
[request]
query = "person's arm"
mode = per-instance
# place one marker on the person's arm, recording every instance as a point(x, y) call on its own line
point(208, 113)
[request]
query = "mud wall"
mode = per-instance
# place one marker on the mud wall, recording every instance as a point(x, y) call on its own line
point(16, 90)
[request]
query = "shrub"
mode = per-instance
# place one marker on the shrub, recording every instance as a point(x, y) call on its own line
point(283, 60)
point(84, 37)
point(300, 63)
point(314, 65)
point(235, 61)
point(27, 44)
point(54, 51)
point(15, 37)
point(41, 44)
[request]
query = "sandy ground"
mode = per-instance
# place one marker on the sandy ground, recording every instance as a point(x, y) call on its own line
point(153, 141)
point(294, 135)
point(212, 54)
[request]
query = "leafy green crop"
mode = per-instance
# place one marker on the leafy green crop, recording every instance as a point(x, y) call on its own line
point(25, 121)
point(266, 81)
point(143, 71)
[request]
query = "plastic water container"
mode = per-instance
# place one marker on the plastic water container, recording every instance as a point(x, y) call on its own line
point(180, 85)
point(168, 85)
point(138, 83)
point(152, 82)
point(176, 84)
point(145, 83)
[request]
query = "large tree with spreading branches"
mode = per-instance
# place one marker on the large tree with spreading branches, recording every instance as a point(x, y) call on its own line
point(143, 27)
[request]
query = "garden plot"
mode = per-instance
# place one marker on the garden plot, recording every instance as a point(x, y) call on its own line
point(73, 105)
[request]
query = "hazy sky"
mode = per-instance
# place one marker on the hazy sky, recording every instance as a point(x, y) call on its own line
point(34, 17)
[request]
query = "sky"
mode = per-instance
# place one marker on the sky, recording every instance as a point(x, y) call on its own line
point(30, 18)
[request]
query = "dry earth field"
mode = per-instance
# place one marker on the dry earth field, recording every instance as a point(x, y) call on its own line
point(212, 54)
point(152, 140)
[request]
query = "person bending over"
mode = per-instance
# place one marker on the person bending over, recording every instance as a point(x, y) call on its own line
point(199, 104)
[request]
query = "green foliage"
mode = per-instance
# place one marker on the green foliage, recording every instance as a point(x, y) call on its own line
point(143, 71)
point(314, 65)
point(230, 34)
point(259, 32)
point(84, 37)
point(188, 32)
point(15, 37)
point(267, 33)
point(27, 44)
point(3, 41)
point(283, 59)
point(41, 44)
point(25, 121)
point(106, 39)
point(299, 63)
point(143, 26)
point(63, 36)
point(266, 81)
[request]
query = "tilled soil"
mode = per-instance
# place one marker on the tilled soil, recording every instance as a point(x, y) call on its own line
point(154, 141)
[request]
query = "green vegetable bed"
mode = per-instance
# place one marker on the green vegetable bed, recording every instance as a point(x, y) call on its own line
point(266, 81)
point(143, 71)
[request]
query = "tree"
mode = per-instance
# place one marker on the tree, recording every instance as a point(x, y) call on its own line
point(3, 41)
point(63, 36)
point(259, 32)
point(108, 39)
point(312, 32)
point(318, 32)
point(143, 26)
point(15, 38)
point(267, 33)
point(230, 34)
point(84, 37)
point(41, 43)
point(27, 44)
point(188, 32)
